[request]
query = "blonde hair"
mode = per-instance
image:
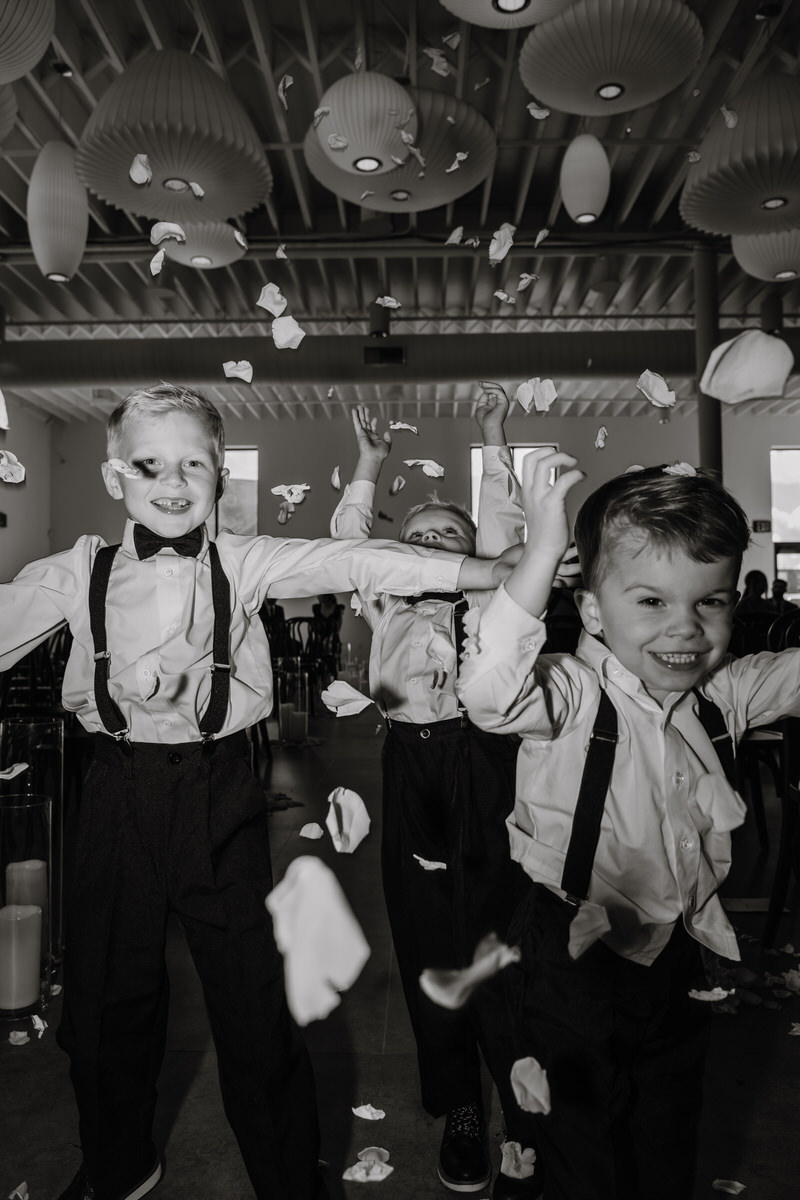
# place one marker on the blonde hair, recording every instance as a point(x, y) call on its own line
point(164, 398)
point(433, 502)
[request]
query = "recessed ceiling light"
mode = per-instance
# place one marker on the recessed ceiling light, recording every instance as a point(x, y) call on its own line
point(367, 163)
point(610, 91)
point(175, 185)
point(63, 69)
point(774, 202)
point(57, 277)
point(400, 194)
point(786, 273)
point(586, 218)
point(201, 260)
point(510, 6)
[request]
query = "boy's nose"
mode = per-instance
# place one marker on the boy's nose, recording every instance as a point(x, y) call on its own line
point(173, 475)
point(430, 535)
point(685, 623)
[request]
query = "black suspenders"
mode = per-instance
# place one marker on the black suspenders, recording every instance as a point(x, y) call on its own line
point(108, 710)
point(585, 834)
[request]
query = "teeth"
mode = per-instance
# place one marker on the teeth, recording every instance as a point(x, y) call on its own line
point(678, 658)
point(171, 505)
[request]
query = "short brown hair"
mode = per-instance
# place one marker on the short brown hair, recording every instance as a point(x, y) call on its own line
point(165, 398)
point(433, 502)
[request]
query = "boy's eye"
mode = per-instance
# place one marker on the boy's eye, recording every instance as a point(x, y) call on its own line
point(650, 601)
point(714, 602)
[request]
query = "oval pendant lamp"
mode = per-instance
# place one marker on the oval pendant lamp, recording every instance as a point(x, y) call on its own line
point(772, 256)
point(58, 212)
point(367, 116)
point(26, 29)
point(585, 179)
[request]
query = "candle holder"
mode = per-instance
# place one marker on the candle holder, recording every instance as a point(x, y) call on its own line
point(26, 928)
point(39, 742)
point(291, 698)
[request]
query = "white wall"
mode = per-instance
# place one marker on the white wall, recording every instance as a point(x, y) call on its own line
point(26, 505)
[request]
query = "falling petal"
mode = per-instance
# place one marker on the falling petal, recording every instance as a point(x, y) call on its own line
point(600, 439)
point(364, 195)
point(450, 120)
point(731, 1186)
point(451, 989)
point(501, 243)
point(516, 1162)
point(14, 770)
point(541, 235)
point(453, 40)
point(792, 980)
point(428, 865)
point(312, 831)
point(787, 949)
point(405, 120)
point(693, 156)
point(162, 230)
point(3, 411)
point(680, 468)
point(286, 333)
point(795, 1030)
point(472, 241)
point(122, 468)
point(504, 296)
point(406, 138)
point(429, 466)
point(368, 1112)
point(398, 483)
point(293, 493)
point(359, 59)
point(20, 1192)
point(336, 479)
point(157, 261)
point(283, 513)
point(355, 604)
point(348, 820)
point(477, 87)
point(461, 156)
point(387, 302)
point(55, 989)
point(730, 117)
point(368, 1172)
point(331, 390)
point(281, 251)
point(240, 238)
point(18, 1037)
point(238, 370)
point(319, 113)
point(343, 699)
point(271, 299)
point(337, 142)
point(398, 162)
point(283, 87)
point(373, 1154)
point(655, 388)
point(540, 392)
point(11, 469)
point(589, 923)
point(525, 281)
point(403, 425)
point(418, 155)
point(197, 191)
point(39, 1025)
point(538, 111)
point(378, 729)
point(140, 170)
point(456, 236)
point(529, 1081)
point(713, 996)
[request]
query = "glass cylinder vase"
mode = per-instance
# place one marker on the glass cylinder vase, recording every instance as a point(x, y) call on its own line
point(26, 894)
point(291, 693)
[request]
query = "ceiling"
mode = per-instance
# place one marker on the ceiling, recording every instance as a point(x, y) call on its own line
point(614, 298)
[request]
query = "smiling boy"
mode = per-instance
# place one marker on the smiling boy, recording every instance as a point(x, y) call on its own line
point(169, 667)
point(623, 813)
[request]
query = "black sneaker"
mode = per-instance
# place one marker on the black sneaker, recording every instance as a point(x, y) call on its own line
point(81, 1189)
point(463, 1158)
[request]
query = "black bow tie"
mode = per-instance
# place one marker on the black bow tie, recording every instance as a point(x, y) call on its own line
point(148, 543)
point(442, 597)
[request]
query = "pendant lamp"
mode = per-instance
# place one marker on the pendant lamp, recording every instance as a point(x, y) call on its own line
point(601, 57)
point(172, 107)
point(505, 14)
point(58, 212)
point(208, 244)
point(365, 117)
point(8, 110)
point(412, 187)
point(26, 29)
point(772, 256)
point(746, 180)
point(585, 179)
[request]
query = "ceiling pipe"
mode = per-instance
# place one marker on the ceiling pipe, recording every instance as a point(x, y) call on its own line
point(418, 358)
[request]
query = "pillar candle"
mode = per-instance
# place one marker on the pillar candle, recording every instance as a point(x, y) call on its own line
point(20, 942)
point(26, 883)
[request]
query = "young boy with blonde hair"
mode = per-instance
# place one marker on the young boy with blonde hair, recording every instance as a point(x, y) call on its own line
point(623, 811)
point(169, 667)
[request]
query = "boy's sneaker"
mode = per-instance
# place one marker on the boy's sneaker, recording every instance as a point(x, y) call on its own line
point(81, 1189)
point(463, 1158)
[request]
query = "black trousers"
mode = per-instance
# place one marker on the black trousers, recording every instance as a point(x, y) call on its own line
point(180, 829)
point(447, 790)
point(624, 1048)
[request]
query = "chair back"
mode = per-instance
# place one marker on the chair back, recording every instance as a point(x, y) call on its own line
point(750, 632)
point(784, 632)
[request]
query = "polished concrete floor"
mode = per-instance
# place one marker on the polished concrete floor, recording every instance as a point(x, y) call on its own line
point(364, 1051)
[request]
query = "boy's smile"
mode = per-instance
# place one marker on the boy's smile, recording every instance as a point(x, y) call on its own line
point(179, 474)
point(665, 617)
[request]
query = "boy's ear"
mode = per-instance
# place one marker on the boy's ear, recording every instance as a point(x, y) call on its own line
point(222, 481)
point(111, 480)
point(589, 610)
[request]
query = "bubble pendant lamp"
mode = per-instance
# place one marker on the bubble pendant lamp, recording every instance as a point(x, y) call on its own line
point(172, 107)
point(772, 256)
point(26, 29)
point(209, 244)
point(601, 57)
point(367, 116)
point(58, 212)
point(505, 14)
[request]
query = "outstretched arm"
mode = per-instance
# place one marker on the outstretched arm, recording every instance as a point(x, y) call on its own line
point(501, 522)
point(373, 447)
point(353, 515)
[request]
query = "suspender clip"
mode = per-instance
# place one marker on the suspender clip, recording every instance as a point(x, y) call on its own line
point(121, 735)
point(598, 735)
point(220, 667)
point(573, 900)
point(102, 654)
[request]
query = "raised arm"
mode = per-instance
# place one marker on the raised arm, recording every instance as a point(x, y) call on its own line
point(501, 521)
point(353, 515)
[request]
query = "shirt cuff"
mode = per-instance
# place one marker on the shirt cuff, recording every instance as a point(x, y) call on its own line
point(496, 459)
point(508, 628)
point(360, 491)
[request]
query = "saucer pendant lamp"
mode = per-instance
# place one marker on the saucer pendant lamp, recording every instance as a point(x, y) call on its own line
point(747, 179)
point(447, 126)
point(208, 244)
point(585, 179)
point(26, 28)
point(505, 14)
point(58, 212)
point(600, 57)
point(363, 127)
point(772, 256)
point(172, 107)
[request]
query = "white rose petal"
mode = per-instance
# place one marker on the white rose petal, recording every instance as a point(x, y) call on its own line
point(654, 387)
point(531, 1088)
point(238, 370)
point(164, 230)
point(11, 469)
point(157, 261)
point(283, 87)
point(286, 333)
point(271, 299)
point(403, 425)
point(600, 439)
point(140, 170)
point(455, 237)
point(451, 989)
point(429, 466)
point(387, 302)
point(348, 821)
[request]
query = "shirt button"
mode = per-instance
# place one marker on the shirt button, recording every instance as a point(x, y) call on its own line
point(417, 642)
point(413, 681)
point(677, 778)
point(174, 758)
point(165, 724)
point(440, 578)
point(167, 571)
point(686, 842)
point(147, 673)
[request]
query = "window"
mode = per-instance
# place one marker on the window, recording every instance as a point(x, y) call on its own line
point(237, 510)
point(518, 456)
point(784, 471)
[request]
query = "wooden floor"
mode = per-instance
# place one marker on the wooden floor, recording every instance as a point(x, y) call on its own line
point(364, 1051)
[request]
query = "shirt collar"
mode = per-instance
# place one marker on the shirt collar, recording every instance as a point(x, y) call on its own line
point(608, 668)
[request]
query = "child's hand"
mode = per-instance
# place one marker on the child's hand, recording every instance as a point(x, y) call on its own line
point(373, 447)
point(545, 505)
point(491, 412)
